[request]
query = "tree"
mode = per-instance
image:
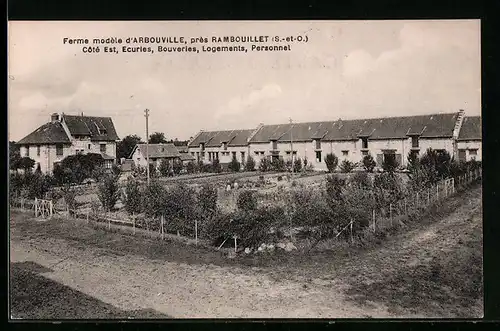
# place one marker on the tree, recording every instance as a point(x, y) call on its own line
point(216, 165)
point(26, 164)
point(177, 167)
point(331, 161)
point(81, 166)
point(297, 165)
point(157, 138)
point(250, 164)
point(125, 146)
point(265, 165)
point(207, 201)
point(369, 163)
point(234, 165)
point(347, 166)
point(278, 164)
point(133, 197)
point(164, 168)
point(14, 155)
point(108, 191)
point(390, 164)
point(191, 167)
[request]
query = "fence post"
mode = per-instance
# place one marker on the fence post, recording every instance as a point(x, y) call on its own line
point(51, 205)
point(406, 212)
point(428, 196)
point(133, 220)
point(390, 212)
point(235, 244)
point(373, 217)
point(36, 209)
point(162, 229)
point(87, 216)
point(196, 231)
point(352, 238)
point(417, 201)
point(437, 191)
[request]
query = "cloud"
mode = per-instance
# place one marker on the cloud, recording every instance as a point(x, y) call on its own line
point(251, 100)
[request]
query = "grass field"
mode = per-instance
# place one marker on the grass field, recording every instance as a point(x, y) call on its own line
point(431, 268)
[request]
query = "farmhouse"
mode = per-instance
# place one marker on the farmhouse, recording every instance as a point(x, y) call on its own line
point(222, 145)
point(157, 153)
point(69, 135)
point(348, 139)
point(469, 139)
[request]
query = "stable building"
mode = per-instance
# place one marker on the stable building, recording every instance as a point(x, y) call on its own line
point(470, 140)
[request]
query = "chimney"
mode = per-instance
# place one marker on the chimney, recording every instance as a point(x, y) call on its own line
point(82, 113)
point(54, 117)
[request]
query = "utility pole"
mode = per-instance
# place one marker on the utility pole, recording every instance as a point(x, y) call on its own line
point(146, 114)
point(291, 143)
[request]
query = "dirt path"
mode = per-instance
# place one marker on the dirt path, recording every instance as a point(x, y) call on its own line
point(179, 290)
point(416, 274)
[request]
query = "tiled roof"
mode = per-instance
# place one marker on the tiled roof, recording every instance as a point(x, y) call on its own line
point(49, 133)
point(182, 149)
point(186, 157)
point(107, 157)
point(216, 138)
point(98, 128)
point(435, 125)
point(471, 129)
point(159, 150)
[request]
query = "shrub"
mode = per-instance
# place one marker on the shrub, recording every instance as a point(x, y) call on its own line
point(35, 185)
point(369, 163)
point(108, 191)
point(216, 165)
point(387, 189)
point(250, 164)
point(390, 164)
point(207, 201)
point(234, 165)
point(297, 165)
point(165, 168)
point(361, 180)
point(26, 164)
point(310, 208)
point(246, 200)
point(191, 167)
point(69, 195)
point(153, 199)
point(278, 164)
point(133, 200)
point(347, 166)
point(331, 161)
point(177, 166)
point(288, 166)
point(359, 203)
point(81, 166)
point(265, 165)
point(180, 209)
point(218, 228)
point(305, 163)
point(280, 178)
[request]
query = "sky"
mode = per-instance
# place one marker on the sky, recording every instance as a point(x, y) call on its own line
point(346, 69)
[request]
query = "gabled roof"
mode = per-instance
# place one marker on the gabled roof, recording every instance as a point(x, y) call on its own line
point(182, 149)
point(471, 129)
point(49, 133)
point(435, 125)
point(98, 128)
point(158, 150)
point(216, 138)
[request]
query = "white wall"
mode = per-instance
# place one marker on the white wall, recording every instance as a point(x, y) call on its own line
point(472, 144)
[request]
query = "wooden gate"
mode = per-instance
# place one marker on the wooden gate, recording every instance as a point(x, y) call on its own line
point(44, 208)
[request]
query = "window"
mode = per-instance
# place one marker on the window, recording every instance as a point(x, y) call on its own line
point(59, 149)
point(318, 156)
point(27, 151)
point(192, 153)
point(414, 142)
point(38, 150)
point(138, 159)
point(261, 153)
point(257, 153)
point(89, 146)
point(242, 156)
point(202, 146)
point(462, 155)
point(364, 143)
point(225, 146)
point(318, 144)
point(345, 153)
point(473, 152)
point(364, 153)
point(275, 144)
point(234, 154)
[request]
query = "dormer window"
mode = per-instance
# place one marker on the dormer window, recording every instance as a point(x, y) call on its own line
point(224, 146)
point(414, 142)
point(275, 144)
point(202, 146)
point(318, 144)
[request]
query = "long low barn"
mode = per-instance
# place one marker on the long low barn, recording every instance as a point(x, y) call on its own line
point(347, 139)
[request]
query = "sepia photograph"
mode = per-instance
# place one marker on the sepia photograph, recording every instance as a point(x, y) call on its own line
point(245, 169)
